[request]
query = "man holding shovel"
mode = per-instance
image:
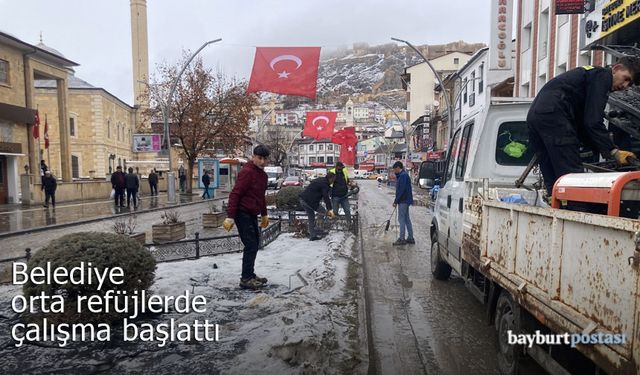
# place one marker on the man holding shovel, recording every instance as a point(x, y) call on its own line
point(310, 201)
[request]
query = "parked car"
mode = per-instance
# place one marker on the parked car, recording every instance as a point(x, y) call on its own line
point(292, 181)
point(372, 176)
point(382, 178)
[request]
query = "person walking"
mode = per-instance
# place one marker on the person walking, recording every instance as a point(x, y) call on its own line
point(206, 180)
point(403, 200)
point(118, 184)
point(568, 110)
point(340, 191)
point(182, 177)
point(43, 170)
point(49, 185)
point(246, 202)
point(132, 184)
point(310, 198)
point(153, 182)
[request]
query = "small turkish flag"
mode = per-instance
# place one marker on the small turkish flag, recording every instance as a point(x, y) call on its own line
point(36, 126)
point(319, 125)
point(345, 136)
point(46, 132)
point(285, 70)
point(348, 153)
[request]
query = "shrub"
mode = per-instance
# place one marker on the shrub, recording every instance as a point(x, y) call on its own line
point(270, 199)
point(170, 217)
point(213, 209)
point(288, 198)
point(125, 226)
point(103, 250)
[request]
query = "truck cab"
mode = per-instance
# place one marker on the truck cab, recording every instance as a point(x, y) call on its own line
point(491, 143)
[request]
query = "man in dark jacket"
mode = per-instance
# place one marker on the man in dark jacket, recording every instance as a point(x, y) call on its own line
point(118, 184)
point(206, 181)
point(310, 200)
point(43, 169)
point(570, 109)
point(132, 184)
point(246, 202)
point(340, 190)
point(49, 185)
point(153, 182)
point(403, 200)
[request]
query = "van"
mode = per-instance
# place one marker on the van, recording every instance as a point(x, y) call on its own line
point(275, 176)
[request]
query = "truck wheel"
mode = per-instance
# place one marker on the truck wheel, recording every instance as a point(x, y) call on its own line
point(505, 321)
point(439, 269)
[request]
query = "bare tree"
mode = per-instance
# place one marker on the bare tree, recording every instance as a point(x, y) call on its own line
point(278, 141)
point(207, 110)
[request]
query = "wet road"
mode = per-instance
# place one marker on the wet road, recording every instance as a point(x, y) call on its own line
point(418, 325)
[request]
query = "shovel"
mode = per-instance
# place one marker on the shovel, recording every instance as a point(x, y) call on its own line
point(388, 223)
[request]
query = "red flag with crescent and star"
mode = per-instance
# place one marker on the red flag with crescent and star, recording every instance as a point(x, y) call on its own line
point(347, 140)
point(319, 125)
point(46, 132)
point(36, 126)
point(285, 70)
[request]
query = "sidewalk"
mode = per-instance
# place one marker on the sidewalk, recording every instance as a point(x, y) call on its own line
point(17, 218)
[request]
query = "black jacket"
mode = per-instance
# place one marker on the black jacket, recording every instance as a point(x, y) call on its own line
point(118, 180)
point(131, 181)
point(206, 180)
point(317, 190)
point(340, 186)
point(49, 184)
point(579, 95)
point(153, 178)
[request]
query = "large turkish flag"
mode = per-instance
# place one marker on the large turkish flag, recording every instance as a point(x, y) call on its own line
point(285, 70)
point(345, 136)
point(348, 153)
point(319, 125)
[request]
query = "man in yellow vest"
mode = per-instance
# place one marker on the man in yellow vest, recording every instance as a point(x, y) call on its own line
point(340, 190)
point(568, 110)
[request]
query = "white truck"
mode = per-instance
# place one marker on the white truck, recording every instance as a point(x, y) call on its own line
point(539, 270)
point(275, 177)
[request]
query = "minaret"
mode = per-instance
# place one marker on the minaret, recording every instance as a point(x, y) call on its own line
point(140, 53)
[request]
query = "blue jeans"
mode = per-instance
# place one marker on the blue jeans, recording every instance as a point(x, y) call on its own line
point(336, 202)
point(405, 221)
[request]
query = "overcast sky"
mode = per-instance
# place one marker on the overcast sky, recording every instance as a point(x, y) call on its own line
point(97, 33)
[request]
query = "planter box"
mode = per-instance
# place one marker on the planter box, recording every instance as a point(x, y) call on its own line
point(140, 237)
point(213, 220)
point(168, 232)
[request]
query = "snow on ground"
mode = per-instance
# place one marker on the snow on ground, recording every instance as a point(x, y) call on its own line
point(305, 321)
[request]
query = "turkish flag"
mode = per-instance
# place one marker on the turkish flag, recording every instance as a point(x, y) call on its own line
point(319, 125)
point(46, 133)
point(345, 136)
point(36, 126)
point(348, 153)
point(285, 70)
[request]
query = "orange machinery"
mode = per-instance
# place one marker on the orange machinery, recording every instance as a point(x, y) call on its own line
point(613, 189)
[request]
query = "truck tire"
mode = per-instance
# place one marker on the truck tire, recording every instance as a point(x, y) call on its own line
point(439, 268)
point(505, 320)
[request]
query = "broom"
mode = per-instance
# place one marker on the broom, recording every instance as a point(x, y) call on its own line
point(388, 223)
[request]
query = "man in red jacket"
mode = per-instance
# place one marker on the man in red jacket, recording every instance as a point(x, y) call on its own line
point(246, 201)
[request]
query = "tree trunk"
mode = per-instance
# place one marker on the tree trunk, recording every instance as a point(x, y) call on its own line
point(189, 172)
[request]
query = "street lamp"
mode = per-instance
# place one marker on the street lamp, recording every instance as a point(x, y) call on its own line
point(435, 73)
point(171, 182)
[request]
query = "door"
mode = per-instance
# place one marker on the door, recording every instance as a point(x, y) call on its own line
point(444, 200)
point(4, 184)
point(458, 192)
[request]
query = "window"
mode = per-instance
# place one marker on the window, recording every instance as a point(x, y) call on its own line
point(329, 159)
point(330, 147)
point(526, 37)
point(4, 71)
point(543, 34)
point(72, 126)
point(461, 165)
point(310, 147)
point(512, 145)
point(456, 61)
point(320, 147)
point(75, 166)
point(108, 128)
point(464, 91)
point(473, 81)
point(453, 153)
point(312, 159)
point(481, 79)
point(320, 159)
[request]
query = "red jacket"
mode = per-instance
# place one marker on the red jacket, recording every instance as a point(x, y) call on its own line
point(248, 193)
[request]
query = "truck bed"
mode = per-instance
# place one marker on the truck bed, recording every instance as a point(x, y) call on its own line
point(573, 271)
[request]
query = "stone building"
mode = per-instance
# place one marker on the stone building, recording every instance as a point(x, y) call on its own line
point(20, 64)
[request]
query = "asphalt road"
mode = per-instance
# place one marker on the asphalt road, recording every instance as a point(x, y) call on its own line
point(418, 325)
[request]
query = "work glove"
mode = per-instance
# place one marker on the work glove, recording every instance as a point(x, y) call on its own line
point(264, 221)
point(330, 214)
point(228, 224)
point(622, 157)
